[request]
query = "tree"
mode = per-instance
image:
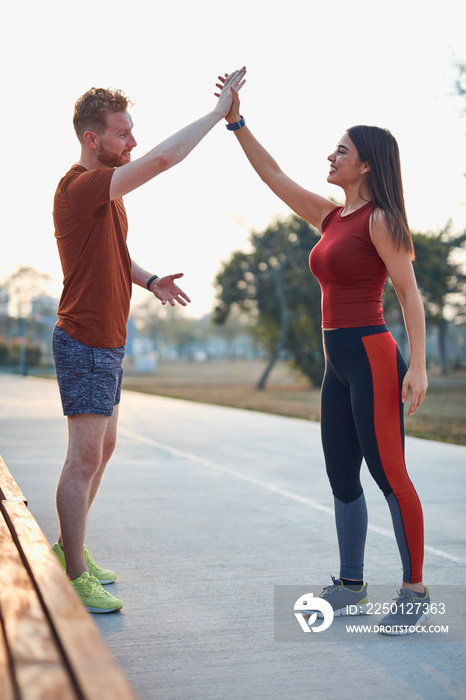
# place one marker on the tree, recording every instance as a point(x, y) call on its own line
point(23, 286)
point(461, 79)
point(274, 286)
point(441, 280)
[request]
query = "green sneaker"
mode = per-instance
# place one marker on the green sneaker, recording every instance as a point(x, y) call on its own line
point(93, 596)
point(104, 576)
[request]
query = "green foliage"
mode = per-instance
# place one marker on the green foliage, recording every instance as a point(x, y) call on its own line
point(441, 281)
point(274, 285)
point(439, 277)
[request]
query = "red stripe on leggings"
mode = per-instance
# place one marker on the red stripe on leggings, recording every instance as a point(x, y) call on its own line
point(382, 355)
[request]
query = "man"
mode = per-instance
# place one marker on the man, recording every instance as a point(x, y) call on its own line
point(89, 338)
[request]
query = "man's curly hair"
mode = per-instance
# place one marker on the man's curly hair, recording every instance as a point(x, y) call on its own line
point(91, 109)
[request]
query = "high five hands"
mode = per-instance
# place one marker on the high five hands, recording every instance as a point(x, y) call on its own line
point(229, 87)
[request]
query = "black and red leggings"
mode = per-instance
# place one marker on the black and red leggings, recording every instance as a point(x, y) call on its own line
point(362, 417)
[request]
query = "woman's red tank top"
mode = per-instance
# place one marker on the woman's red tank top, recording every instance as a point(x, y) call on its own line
point(350, 271)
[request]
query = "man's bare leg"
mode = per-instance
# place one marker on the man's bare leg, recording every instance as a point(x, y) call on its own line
point(109, 444)
point(86, 438)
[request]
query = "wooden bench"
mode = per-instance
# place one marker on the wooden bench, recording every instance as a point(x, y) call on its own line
point(50, 648)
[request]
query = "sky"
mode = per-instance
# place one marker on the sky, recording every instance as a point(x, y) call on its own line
point(314, 69)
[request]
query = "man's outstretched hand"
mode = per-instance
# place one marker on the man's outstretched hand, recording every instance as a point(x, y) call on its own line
point(165, 289)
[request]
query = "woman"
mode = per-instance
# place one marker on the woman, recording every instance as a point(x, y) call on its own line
point(366, 381)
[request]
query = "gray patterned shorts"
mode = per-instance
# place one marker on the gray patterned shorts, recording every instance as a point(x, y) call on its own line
point(89, 378)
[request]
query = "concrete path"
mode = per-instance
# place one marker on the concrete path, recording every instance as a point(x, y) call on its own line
point(205, 512)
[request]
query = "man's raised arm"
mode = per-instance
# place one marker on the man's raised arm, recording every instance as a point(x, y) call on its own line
point(175, 148)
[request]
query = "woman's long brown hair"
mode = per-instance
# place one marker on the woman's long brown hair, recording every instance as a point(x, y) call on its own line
point(379, 148)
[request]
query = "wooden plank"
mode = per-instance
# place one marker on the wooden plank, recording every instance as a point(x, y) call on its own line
point(7, 690)
point(8, 486)
point(89, 659)
point(37, 666)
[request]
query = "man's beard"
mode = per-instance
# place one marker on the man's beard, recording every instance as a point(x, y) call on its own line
point(109, 158)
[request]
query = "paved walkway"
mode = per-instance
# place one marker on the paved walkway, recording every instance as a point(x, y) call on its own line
point(203, 512)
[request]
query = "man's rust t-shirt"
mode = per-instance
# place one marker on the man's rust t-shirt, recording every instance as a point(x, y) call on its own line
point(91, 236)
